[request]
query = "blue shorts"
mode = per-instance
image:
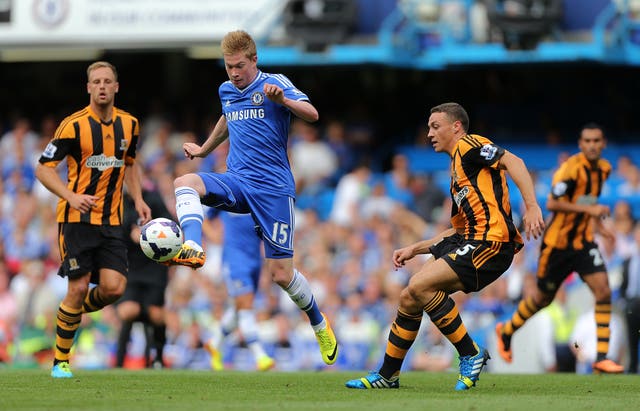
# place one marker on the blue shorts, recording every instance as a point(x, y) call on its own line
point(241, 271)
point(241, 254)
point(272, 212)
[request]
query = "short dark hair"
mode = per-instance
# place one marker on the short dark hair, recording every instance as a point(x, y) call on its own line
point(592, 126)
point(455, 112)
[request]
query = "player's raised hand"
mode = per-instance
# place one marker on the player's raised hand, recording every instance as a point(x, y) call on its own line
point(273, 93)
point(533, 222)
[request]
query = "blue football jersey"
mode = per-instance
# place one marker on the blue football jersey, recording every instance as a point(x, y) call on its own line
point(259, 132)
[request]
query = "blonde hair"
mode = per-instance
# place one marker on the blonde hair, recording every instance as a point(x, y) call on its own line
point(238, 41)
point(101, 64)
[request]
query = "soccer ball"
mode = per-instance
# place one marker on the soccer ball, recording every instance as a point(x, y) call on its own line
point(161, 239)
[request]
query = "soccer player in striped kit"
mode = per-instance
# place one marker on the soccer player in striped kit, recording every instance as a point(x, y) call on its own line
point(469, 256)
point(568, 245)
point(98, 144)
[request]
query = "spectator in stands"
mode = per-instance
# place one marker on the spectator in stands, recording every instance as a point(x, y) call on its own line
point(24, 231)
point(396, 180)
point(313, 162)
point(622, 225)
point(379, 203)
point(625, 167)
point(630, 187)
point(36, 307)
point(20, 138)
point(335, 135)
point(352, 188)
point(359, 333)
point(428, 198)
point(630, 291)
point(8, 313)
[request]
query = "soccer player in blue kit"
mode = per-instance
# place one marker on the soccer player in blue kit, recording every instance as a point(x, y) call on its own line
point(241, 267)
point(256, 114)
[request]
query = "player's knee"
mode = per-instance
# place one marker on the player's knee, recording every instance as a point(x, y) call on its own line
point(128, 310)
point(156, 314)
point(187, 180)
point(281, 278)
point(78, 290)
point(112, 292)
point(410, 297)
point(602, 295)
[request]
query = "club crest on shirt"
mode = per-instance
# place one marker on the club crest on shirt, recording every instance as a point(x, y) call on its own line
point(73, 264)
point(257, 98)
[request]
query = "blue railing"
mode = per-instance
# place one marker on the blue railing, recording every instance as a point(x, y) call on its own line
point(405, 41)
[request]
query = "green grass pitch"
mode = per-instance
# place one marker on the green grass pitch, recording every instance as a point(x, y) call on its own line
point(301, 391)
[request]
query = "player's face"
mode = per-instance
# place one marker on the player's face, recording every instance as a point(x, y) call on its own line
point(442, 132)
point(102, 86)
point(241, 69)
point(591, 143)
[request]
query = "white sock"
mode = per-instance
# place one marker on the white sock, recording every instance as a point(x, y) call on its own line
point(190, 215)
point(300, 293)
point(249, 329)
point(229, 320)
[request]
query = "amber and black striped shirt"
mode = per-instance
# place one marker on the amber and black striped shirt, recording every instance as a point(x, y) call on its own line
point(579, 182)
point(481, 206)
point(96, 154)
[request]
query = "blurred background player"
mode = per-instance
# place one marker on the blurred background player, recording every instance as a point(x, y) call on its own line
point(241, 267)
point(568, 244)
point(143, 298)
point(99, 144)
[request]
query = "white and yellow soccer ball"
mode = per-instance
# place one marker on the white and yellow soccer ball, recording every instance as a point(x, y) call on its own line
point(161, 239)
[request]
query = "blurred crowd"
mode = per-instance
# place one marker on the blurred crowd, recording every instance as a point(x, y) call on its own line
point(354, 208)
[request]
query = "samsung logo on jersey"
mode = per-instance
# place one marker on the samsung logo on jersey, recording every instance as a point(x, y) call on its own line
point(245, 114)
point(103, 162)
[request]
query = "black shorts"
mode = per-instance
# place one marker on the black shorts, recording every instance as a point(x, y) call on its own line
point(556, 264)
point(86, 248)
point(477, 263)
point(144, 294)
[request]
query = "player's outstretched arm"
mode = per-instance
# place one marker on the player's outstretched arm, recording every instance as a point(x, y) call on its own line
point(532, 218)
point(401, 255)
point(218, 135)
